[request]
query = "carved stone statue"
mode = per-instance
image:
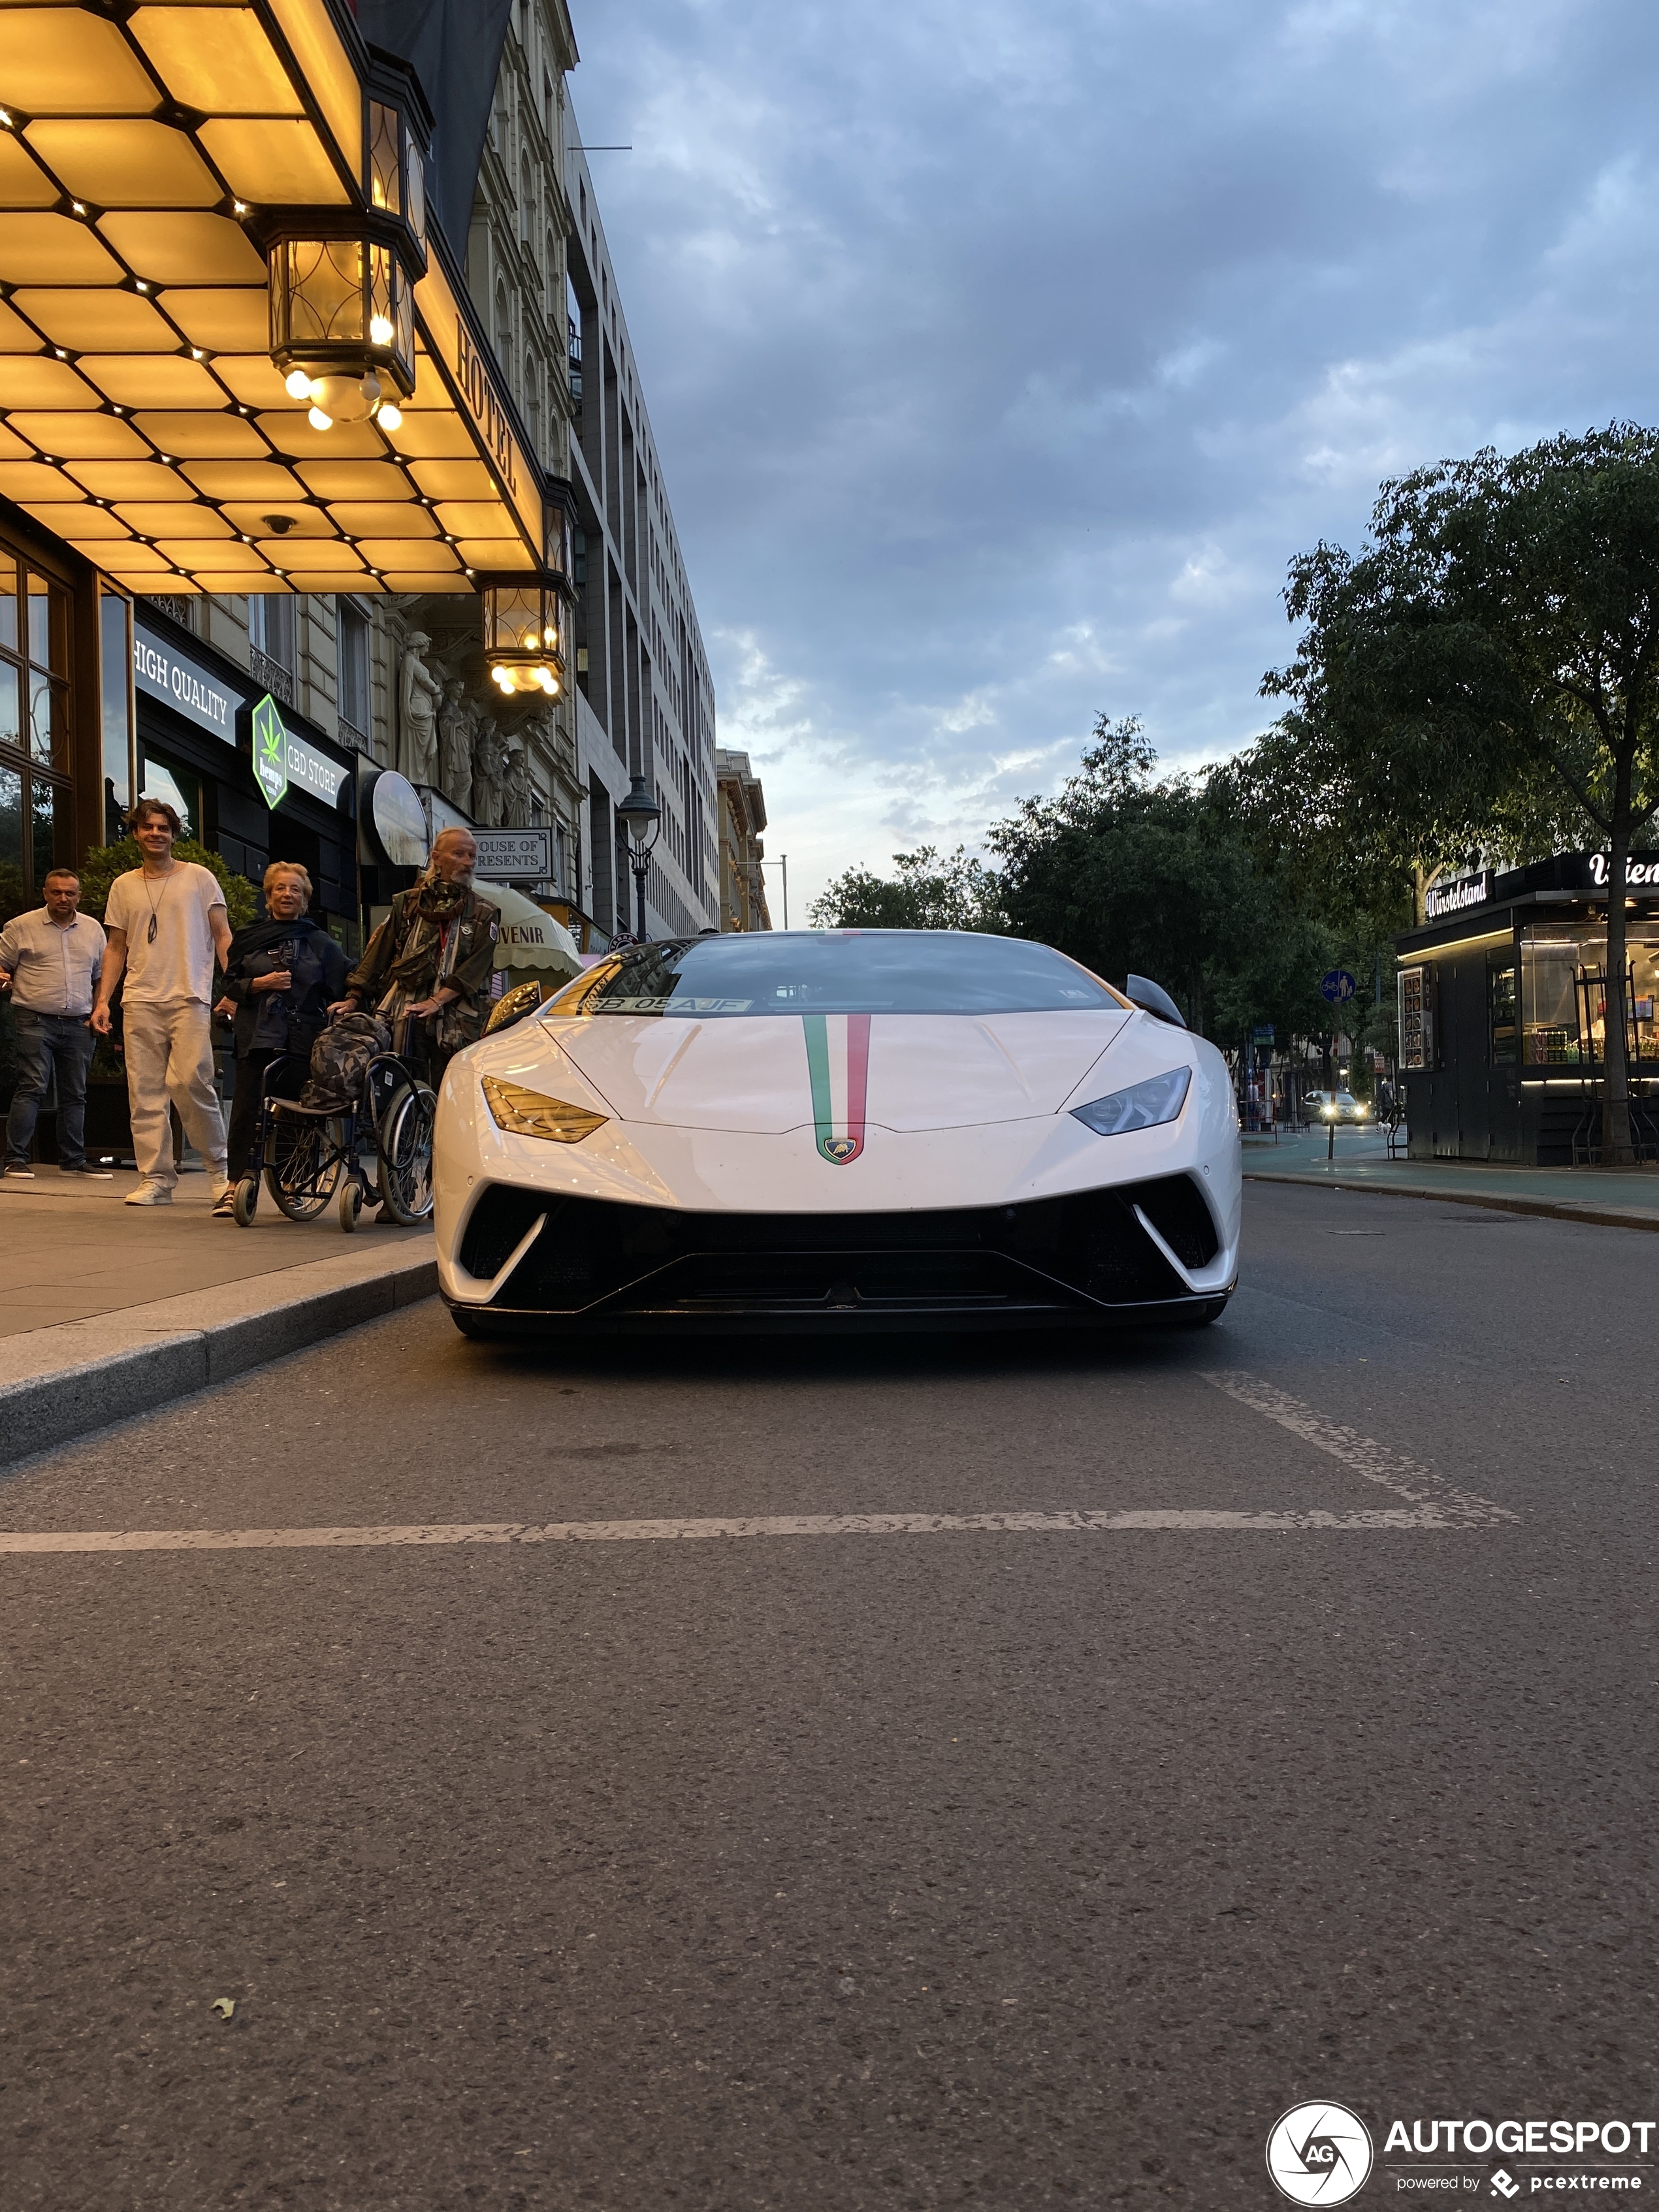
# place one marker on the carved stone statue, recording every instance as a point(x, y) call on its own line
point(419, 694)
point(519, 793)
point(489, 754)
point(455, 746)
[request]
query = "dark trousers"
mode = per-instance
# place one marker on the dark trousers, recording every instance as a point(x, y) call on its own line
point(45, 1044)
point(245, 1111)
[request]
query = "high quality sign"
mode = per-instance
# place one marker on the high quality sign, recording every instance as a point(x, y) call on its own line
point(185, 686)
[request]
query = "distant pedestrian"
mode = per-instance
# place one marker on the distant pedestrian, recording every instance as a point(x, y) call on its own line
point(166, 921)
point(280, 975)
point(431, 960)
point(50, 962)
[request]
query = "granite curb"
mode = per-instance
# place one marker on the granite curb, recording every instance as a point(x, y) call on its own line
point(1597, 1217)
point(63, 1381)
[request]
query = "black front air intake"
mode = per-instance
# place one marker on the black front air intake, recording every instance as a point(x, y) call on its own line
point(1083, 1252)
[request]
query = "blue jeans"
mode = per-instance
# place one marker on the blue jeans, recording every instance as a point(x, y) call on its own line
point(46, 1042)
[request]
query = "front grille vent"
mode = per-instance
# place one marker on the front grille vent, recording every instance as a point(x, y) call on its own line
point(1084, 1250)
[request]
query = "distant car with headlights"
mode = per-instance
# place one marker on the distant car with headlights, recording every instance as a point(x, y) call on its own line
point(1333, 1106)
point(835, 1130)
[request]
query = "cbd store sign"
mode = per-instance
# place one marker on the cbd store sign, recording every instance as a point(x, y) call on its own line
point(270, 752)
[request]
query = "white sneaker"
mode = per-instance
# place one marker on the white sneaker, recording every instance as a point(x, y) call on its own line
point(20, 1174)
point(151, 1192)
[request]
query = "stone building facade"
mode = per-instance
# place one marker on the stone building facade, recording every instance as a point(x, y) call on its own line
point(741, 819)
point(401, 679)
point(644, 700)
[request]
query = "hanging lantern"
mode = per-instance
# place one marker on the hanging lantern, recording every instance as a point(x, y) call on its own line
point(343, 283)
point(525, 628)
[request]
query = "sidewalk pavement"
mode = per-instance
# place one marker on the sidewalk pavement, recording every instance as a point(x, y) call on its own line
point(107, 1310)
point(1624, 1198)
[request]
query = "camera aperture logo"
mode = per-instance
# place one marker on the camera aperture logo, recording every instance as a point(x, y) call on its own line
point(1319, 2154)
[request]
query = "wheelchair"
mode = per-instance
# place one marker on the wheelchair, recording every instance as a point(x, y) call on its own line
point(308, 1156)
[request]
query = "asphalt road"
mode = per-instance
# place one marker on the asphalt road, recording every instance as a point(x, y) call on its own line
point(991, 1867)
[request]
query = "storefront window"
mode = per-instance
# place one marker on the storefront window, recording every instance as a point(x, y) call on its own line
point(1564, 996)
point(34, 660)
point(13, 887)
point(49, 806)
point(115, 676)
point(180, 789)
point(1501, 1010)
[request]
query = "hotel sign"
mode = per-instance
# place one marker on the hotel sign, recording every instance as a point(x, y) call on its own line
point(472, 380)
point(186, 685)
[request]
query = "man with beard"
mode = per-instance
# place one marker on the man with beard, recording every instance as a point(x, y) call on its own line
point(280, 975)
point(431, 960)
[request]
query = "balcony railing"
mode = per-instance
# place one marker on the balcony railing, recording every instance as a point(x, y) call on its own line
point(276, 679)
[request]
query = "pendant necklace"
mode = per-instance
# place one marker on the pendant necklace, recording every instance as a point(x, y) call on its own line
point(155, 904)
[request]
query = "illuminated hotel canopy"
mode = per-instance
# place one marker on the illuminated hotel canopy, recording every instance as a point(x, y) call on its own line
point(143, 162)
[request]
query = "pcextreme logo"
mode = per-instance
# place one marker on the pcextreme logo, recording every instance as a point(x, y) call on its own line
point(1319, 2153)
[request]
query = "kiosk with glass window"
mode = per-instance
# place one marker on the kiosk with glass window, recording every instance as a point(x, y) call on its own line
point(1504, 1000)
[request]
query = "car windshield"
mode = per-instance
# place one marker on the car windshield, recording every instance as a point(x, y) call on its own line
point(896, 972)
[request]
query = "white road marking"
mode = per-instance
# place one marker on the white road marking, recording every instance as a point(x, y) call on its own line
point(31, 1542)
point(1377, 1462)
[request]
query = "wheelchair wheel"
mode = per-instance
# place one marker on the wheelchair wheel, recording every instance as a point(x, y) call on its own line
point(404, 1137)
point(302, 1163)
point(351, 1203)
point(247, 1199)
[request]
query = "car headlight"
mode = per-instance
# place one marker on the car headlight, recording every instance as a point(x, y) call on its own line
point(1142, 1106)
point(532, 1114)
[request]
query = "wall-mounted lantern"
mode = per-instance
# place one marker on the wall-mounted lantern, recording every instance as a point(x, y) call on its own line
point(343, 280)
point(526, 629)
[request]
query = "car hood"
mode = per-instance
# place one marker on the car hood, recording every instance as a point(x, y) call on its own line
point(771, 1073)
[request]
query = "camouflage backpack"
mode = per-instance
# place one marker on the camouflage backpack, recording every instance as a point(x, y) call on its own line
point(339, 1062)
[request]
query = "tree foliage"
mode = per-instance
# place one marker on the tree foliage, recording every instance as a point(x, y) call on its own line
point(1485, 671)
point(927, 893)
point(1132, 873)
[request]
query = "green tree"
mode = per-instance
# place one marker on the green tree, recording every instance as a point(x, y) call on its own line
point(1485, 671)
point(927, 893)
point(1130, 873)
point(104, 863)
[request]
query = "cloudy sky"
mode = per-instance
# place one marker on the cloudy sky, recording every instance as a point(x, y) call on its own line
point(1000, 356)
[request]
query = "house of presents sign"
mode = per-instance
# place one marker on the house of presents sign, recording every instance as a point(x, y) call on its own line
point(283, 763)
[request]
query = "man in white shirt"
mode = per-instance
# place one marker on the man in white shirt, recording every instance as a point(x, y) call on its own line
point(167, 924)
point(50, 962)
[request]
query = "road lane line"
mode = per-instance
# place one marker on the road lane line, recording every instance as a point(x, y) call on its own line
point(1377, 1462)
point(21, 1543)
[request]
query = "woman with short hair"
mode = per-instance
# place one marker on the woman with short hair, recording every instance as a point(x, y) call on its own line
point(280, 975)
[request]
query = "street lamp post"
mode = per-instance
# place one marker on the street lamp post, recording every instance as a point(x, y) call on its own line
point(644, 818)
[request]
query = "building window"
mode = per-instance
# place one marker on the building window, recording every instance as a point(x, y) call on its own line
point(354, 673)
point(271, 631)
point(35, 663)
point(115, 706)
point(1502, 1030)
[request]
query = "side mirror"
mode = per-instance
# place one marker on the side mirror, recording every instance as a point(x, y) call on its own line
point(1153, 998)
point(512, 1006)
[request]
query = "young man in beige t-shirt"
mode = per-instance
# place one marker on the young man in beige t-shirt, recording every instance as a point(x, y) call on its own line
point(166, 922)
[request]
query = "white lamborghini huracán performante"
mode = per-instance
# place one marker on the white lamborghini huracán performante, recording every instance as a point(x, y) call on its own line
point(836, 1129)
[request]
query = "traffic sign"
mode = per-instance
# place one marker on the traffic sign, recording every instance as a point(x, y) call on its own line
point(1338, 986)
